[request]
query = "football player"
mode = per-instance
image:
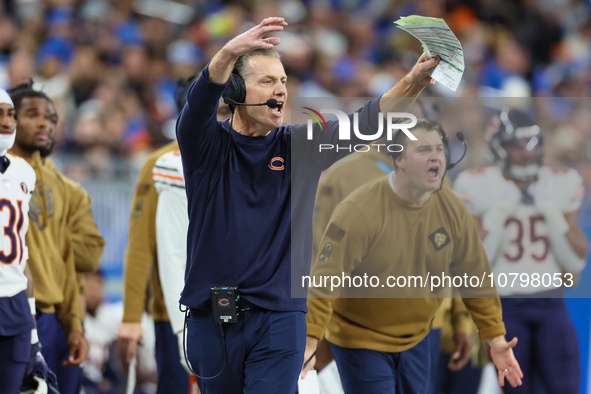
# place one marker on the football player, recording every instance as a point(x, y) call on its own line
point(527, 215)
point(63, 239)
point(20, 358)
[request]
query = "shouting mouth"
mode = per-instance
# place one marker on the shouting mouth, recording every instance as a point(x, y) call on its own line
point(433, 172)
point(278, 110)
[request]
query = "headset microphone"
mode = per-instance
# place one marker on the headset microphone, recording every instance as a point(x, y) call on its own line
point(462, 139)
point(272, 103)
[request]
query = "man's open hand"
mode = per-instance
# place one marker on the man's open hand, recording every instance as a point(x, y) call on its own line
point(253, 38)
point(502, 356)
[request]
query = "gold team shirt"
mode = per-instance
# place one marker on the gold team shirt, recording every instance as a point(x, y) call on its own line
point(141, 261)
point(61, 230)
point(373, 232)
point(86, 237)
point(340, 180)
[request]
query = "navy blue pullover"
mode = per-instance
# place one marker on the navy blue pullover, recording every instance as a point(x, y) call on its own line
point(246, 238)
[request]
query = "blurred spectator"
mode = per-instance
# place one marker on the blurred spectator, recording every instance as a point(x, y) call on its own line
point(128, 55)
point(102, 372)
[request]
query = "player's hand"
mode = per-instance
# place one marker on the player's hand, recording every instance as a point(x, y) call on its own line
point(129, 336)
point(253, 38)
point(420, 72)
point(502, 356)
point(311, 346)
point(78, 349)
point(37, 368)
point(462, 352)
point(182, 359)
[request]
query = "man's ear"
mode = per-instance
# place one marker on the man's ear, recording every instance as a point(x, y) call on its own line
point(399, 161)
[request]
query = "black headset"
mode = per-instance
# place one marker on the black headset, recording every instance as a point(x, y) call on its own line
point(235, 92)
point(446, 150)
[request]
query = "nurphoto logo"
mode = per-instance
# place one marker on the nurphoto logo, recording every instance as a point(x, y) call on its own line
point(395, 122)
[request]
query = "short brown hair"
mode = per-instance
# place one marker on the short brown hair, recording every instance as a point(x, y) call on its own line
point(241, 65)
point(401, 139)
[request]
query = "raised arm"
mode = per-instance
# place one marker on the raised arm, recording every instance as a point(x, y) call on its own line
point(222, 63)
point(410, 86)
point(197, 123)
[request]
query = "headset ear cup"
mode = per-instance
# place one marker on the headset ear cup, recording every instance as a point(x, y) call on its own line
point(446, 150)
point(235, 91)
point(241, 88)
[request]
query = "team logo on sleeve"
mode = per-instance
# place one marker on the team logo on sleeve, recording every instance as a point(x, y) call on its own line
point(24, 188)
point(325, 252)
point(35, 208)
point(439, 239)
point(139, 208)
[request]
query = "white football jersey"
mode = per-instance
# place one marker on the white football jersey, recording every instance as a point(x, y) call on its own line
point(168, 172)
point(525, 246)
point(172, 224)
point(16, 185)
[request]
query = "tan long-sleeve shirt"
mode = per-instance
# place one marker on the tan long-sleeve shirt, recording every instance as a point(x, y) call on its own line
point(373, 232)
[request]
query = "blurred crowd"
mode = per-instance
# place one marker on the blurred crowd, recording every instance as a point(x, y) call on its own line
point(111, 65)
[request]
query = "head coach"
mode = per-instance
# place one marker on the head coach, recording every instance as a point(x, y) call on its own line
point(245, 333)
